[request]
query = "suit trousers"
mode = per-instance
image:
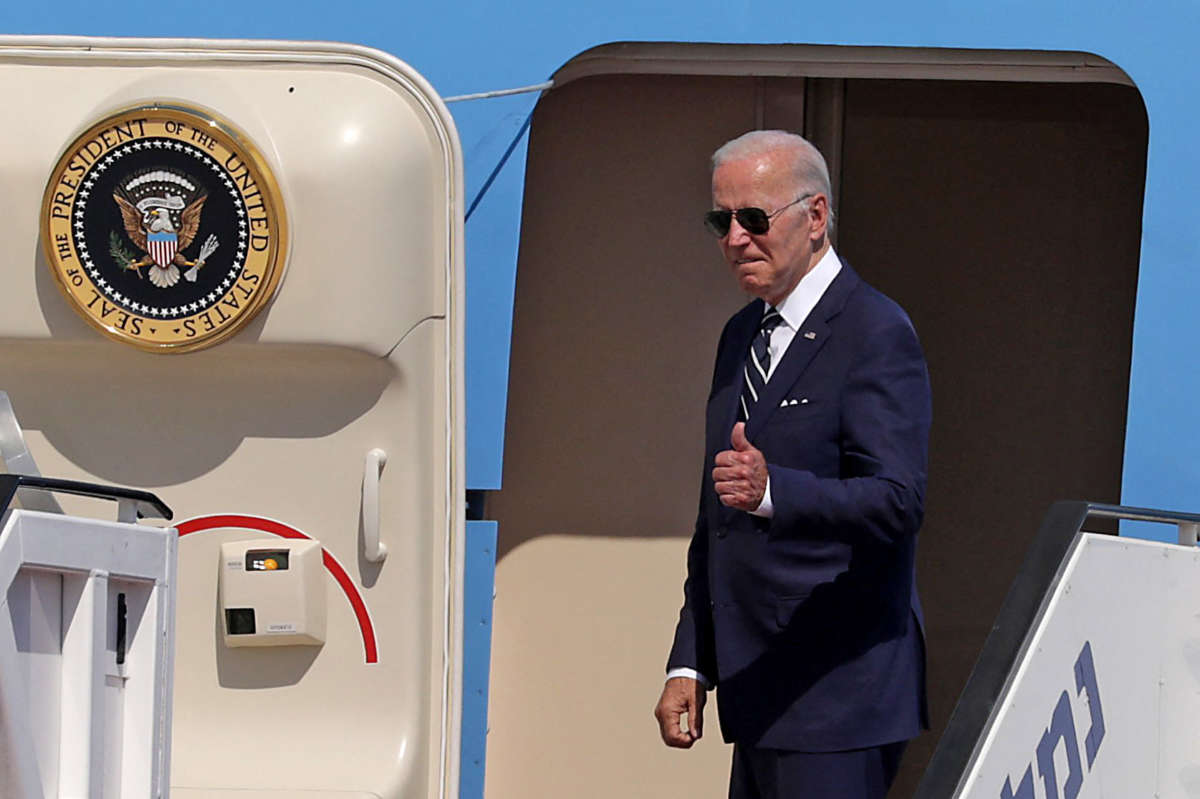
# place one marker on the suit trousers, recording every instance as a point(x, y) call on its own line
point(781, 774)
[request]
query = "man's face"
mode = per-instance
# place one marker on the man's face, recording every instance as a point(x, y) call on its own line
point(768, 265)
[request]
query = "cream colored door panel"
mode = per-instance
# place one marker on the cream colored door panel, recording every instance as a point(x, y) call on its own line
point(264, 435)
point(348, 138)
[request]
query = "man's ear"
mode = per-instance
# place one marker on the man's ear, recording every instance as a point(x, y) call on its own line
point(818, 216)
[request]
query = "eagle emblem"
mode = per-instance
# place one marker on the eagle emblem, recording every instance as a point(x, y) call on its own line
point(161, 212)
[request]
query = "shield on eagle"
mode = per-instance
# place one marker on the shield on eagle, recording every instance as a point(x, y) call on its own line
point(162, 247)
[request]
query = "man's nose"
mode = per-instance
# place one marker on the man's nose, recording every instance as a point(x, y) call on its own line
point(737, 234)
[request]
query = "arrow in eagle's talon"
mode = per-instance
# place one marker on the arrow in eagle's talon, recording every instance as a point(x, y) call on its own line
point(190, 274)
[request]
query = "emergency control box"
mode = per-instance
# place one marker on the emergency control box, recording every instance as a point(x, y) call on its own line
point(272, 593)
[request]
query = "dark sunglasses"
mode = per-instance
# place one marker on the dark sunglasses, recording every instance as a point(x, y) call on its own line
point(754, 221)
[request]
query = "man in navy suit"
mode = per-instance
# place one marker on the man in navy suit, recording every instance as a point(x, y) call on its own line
point(800, 604)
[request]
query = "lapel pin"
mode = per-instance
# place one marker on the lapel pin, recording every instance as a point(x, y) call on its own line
point(810, 335)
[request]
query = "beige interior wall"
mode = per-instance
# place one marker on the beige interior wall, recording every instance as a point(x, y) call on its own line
point(619, 297)
point(989, 210)
point(1005, 218)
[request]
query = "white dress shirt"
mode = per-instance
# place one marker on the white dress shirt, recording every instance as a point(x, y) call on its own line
point(794, 309)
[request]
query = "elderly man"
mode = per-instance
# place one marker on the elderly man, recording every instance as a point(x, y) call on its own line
point(800, 604)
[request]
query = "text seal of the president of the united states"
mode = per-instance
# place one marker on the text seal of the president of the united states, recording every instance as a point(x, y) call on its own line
point(164, 228)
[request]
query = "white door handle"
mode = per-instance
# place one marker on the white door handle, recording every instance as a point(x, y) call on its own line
point(374, 549)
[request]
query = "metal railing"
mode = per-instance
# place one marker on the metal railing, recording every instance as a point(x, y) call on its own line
point(132, 504)
point(1188, 523)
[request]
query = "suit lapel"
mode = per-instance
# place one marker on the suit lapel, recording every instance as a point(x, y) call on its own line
point(741, 333)
point(808, 341)
point(723, 408)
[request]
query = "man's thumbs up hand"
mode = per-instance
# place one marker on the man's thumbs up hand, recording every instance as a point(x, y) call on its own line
point(740, 474)
point(738, 439)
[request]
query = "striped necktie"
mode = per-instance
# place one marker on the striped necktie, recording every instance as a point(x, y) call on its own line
point(758, 363)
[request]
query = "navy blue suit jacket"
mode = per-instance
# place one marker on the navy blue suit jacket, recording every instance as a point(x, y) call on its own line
point(809, 622)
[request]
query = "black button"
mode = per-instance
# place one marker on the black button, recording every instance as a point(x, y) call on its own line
point(722, 532)
point(239, 621)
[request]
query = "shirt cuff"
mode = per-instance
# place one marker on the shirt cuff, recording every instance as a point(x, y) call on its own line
point(683, 671)
point(765, 509)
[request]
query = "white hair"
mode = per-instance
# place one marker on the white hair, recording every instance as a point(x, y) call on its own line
point(809, 169)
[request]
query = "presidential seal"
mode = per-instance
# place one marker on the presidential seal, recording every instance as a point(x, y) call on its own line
point(164, 228)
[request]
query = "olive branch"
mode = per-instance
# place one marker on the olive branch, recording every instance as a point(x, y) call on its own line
point(117, 250)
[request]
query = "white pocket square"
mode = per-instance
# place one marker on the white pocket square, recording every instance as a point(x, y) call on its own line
point(787, 402)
